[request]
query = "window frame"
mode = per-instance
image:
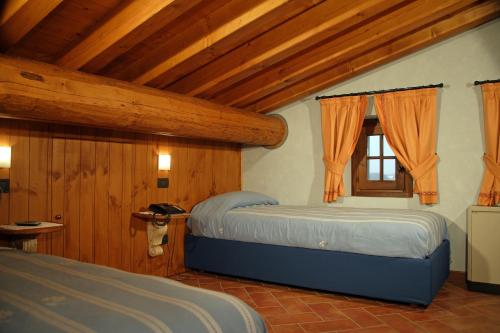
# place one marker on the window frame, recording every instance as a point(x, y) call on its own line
point(402, 187)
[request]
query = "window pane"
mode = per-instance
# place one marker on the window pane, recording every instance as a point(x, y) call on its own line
point(387, 149)
point(374, 169)
point(390, 169)
point(373, 145)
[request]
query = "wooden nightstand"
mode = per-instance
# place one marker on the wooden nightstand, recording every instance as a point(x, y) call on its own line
point(175, 230)
point(24, 237)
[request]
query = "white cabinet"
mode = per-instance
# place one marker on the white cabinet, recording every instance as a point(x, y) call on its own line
point(483, 248)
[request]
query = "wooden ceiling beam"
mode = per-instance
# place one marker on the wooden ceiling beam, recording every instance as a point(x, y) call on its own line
point(253, 30)
point(483, 12)
point(378, 32)
point(122, 23)
point(157, 22)
point(18, 17)
point(170, 39)
point(38, 91)
point(213, 37)
point(317, 24)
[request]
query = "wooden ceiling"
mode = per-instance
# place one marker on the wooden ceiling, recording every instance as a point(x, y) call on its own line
point(255, 55)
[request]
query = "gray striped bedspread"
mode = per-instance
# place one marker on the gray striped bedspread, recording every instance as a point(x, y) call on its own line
point(382, 232)
point(40, 293)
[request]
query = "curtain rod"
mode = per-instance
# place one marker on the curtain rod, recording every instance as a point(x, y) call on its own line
point(373, 92)
point(477, 83)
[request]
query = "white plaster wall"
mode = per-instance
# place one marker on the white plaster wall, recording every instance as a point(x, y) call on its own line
point(294, 172)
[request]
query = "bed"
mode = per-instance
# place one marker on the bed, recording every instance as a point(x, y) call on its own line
point(397, 255)
point(41, 293)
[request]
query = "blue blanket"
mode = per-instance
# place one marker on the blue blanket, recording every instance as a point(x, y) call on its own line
point(40, 293)
point(255, 218)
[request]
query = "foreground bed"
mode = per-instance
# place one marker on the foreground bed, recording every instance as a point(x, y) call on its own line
point(402, 258)
point(40, 293)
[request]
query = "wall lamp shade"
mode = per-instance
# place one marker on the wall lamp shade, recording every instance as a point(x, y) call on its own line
point(164, 162)
point(5, 157)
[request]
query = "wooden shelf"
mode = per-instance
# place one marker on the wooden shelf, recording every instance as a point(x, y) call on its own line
point(148, 216)
point(24, 237)
point(43, 228)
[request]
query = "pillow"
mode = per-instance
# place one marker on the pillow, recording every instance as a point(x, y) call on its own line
point(211, 211)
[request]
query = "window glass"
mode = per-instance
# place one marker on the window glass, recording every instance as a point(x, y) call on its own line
point(387, 149)
point(373, 169)
point(373, 146)
point(390, 169)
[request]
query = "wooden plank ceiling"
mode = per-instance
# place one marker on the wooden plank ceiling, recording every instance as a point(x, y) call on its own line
point(255, 55)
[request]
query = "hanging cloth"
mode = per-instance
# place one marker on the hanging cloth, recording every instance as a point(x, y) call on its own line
point(408, 120)
point(489, 195)
point(341, 122)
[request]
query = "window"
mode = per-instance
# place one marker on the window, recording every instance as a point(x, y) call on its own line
point(375, 171)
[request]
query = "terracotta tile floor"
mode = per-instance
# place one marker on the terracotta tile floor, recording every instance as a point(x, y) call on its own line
point(291, 310)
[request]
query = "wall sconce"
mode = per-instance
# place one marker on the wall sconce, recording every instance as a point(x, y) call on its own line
point(5, 157)
point(164, 162)
point(5, 163)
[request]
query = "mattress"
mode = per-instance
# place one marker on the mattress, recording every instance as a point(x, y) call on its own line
point(380, 232)
point(40, 293)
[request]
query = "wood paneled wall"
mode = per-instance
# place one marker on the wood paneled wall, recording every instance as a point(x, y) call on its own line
point(93, 179)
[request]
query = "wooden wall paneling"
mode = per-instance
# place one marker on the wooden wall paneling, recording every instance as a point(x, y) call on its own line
point(179, 191)
point(39, 181)
point(19, 173)
point(126, 213)
point(176, 233)
point(87, 203)
point(101, 203)
point(158, 263)
point(165, 195)
point(72, 189)
point(200, 171)
point(140, 262)
point(226, 160)
point(5, 128)
point(57, 180)
point(115, 203)
point(95, 179)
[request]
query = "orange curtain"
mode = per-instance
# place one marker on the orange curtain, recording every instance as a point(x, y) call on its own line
point(489, 195)
point(341, 121)
point(408, 120)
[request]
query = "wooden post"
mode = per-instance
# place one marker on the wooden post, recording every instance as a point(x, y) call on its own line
point(42, 92)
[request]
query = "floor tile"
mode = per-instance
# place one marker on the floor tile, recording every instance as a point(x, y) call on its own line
point(362, 317)
point(329, 326)
point(294, 310)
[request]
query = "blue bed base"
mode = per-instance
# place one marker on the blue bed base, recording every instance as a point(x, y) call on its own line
point(414, 281)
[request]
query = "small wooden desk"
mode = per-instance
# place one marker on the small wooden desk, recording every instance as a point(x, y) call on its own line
point(24, 237)
point(175, 229)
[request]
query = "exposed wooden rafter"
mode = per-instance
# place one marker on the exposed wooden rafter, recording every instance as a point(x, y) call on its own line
point(427, 36)
point(127, 22)
point(18, 17)
point(355, 43)
point(38, 91)
point(319, 23)
point(207, 41)
point(255, 55)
